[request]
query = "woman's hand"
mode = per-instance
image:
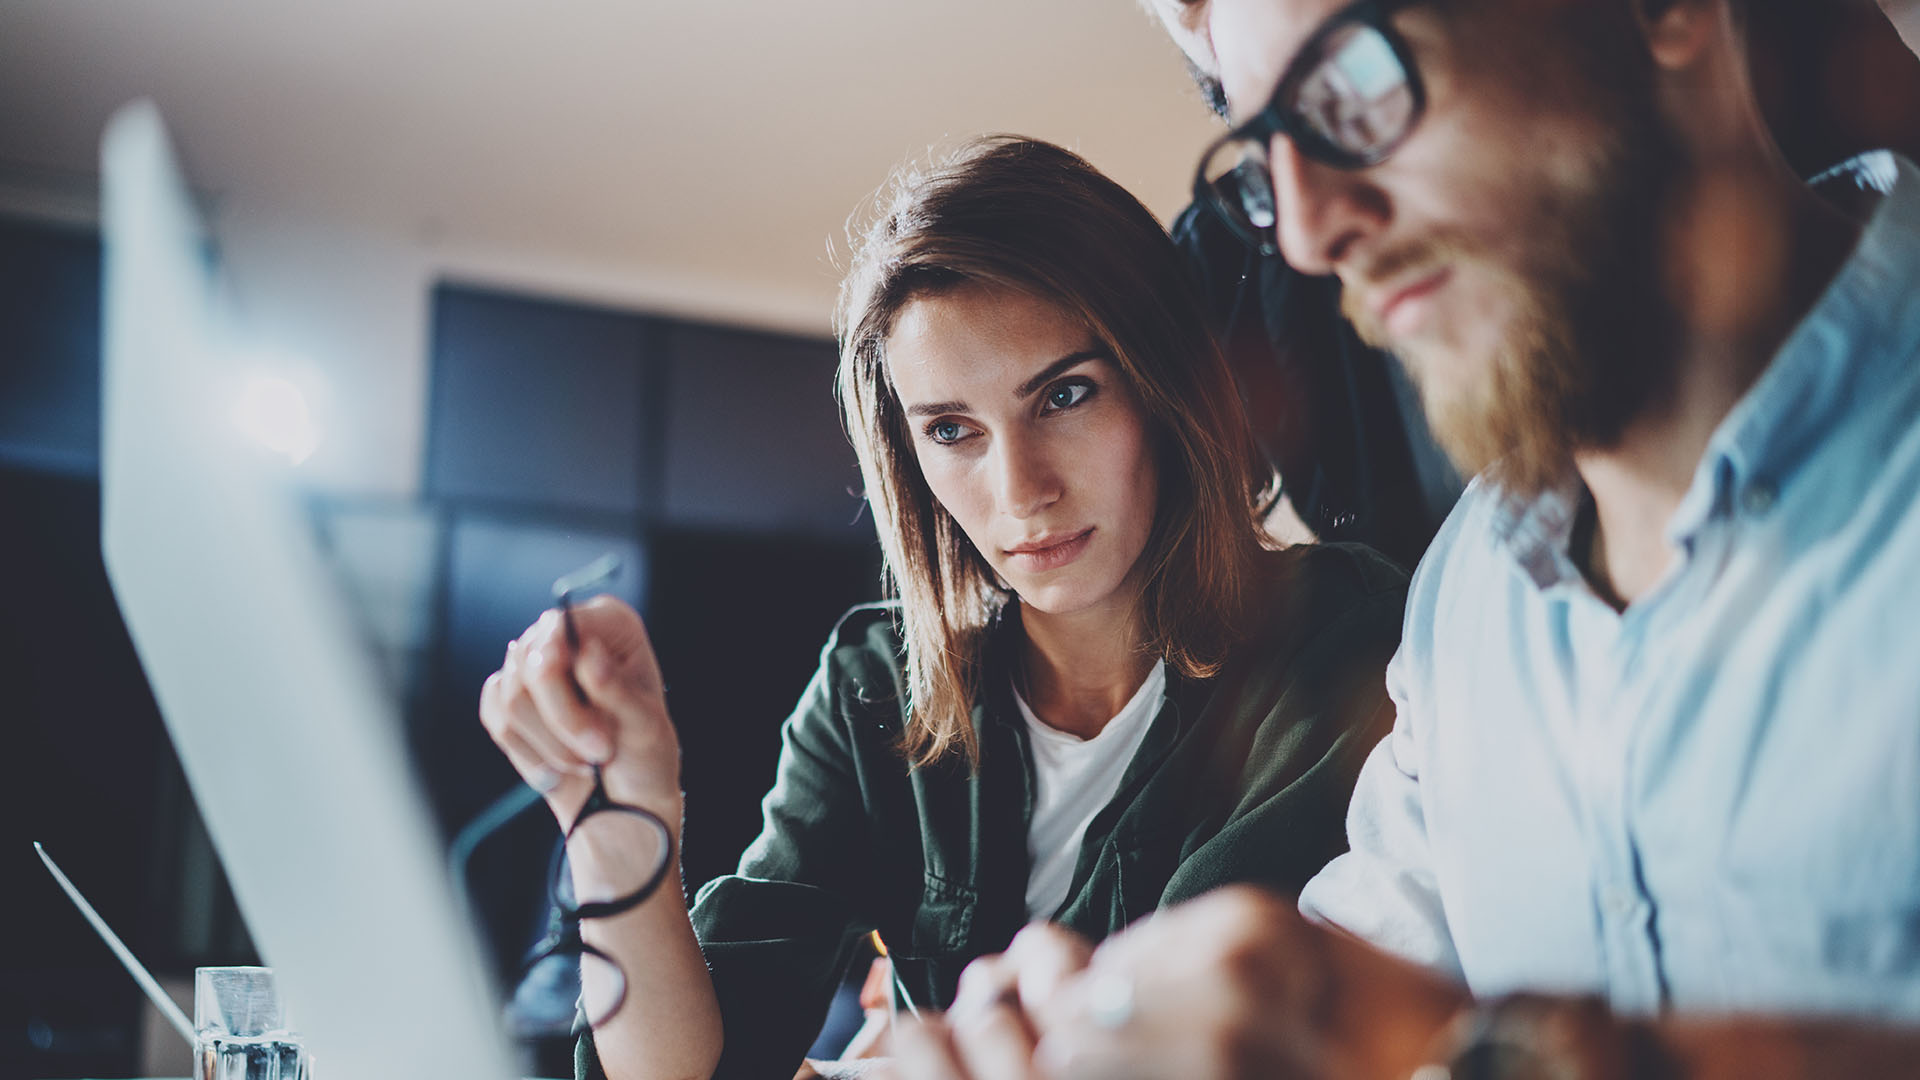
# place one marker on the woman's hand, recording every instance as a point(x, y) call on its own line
point(531, 709)
point(669, 1024)
point(991, 1031)
point(1231, 986)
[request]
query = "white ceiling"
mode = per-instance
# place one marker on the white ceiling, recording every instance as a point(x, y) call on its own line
point(718, 140)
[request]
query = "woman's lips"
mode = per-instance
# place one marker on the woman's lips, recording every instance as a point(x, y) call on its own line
point(1034, 559)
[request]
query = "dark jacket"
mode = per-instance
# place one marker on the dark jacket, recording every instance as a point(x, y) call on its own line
point(1338, 419)
point(1243, 777)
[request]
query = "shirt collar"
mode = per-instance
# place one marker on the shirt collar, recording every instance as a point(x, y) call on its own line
point(1861, 333)
point(1538, 529)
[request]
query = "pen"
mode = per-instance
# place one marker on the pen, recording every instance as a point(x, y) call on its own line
point(898, 993)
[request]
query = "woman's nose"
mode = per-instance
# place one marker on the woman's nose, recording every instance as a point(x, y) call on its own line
point(1027, 479)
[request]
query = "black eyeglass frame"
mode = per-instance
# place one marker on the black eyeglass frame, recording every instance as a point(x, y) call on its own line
point(1275, 119)
point(598, 802)
point(565, 938)
point(596, 574)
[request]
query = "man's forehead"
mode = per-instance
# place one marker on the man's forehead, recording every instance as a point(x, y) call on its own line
point(1253, 41)
point(1186, 22)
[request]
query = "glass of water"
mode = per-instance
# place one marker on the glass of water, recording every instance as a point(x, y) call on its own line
point(240, 1027)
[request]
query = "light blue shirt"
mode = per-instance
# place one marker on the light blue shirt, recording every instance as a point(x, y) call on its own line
point(1709, 802)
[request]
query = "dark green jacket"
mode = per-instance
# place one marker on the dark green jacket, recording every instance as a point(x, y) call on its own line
point(1243, 777)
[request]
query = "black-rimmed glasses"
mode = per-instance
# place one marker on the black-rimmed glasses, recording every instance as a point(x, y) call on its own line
point(625, 851)
point(1350, 97)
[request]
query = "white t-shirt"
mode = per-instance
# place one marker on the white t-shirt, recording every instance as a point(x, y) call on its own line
point(1073, 780)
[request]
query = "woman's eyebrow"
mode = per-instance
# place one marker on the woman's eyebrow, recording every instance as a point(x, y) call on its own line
point(1024, 390)
point(936, 408)
point(1071, 360)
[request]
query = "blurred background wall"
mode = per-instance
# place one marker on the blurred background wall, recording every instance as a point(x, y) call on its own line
point(553, 282)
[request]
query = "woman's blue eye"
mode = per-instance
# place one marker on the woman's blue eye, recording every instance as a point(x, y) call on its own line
point(1067, 395)
point(944, 431)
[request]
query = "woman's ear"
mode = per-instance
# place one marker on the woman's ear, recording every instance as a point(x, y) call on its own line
point(1678, 32)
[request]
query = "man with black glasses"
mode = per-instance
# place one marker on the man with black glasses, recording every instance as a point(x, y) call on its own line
point(1651, 806)
point(1337, 417)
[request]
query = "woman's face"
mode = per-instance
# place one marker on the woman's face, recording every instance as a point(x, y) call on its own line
point(1032, 438)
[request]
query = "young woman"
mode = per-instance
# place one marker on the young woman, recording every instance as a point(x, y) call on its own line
point(1096, 692)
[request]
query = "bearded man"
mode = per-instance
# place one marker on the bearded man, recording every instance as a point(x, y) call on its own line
point(1651, 806)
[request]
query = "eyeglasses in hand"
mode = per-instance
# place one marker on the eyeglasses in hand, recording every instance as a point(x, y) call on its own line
point(625, 853)
point(613, 858)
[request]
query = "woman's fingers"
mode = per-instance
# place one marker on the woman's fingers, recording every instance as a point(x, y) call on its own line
point(526, 761)
point(613, 687)
point(506, 706)
point(923, 1050)
point(543, 760)
point(989, 1030)
point(527, 722)
point(991, 1043)
point(617, 628)
point(569, 708)
point(995, 1041)
point(613, 668)
point(551, 685)
point(983, 983)
point(1046, 956)
point(558, 711)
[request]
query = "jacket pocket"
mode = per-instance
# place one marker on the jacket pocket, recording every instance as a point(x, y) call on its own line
point(936, 948)
point(943, 924)
point(1142, 866)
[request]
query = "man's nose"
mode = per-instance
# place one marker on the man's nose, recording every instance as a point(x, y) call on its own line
point(1320, 212)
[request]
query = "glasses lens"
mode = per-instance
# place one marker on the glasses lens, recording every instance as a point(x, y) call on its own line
point(1241, 188)
point(561, 988)
point(615, 854)
point(1358, 97)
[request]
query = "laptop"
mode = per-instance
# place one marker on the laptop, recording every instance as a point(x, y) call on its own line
point(293, 747)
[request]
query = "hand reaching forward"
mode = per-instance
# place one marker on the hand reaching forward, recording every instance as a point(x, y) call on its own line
point(535, 715)
point(1235, 984)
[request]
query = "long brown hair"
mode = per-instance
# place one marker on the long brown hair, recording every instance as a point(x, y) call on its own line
point(1027, 215)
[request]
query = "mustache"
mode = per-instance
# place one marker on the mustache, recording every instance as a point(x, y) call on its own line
point(1410, 259)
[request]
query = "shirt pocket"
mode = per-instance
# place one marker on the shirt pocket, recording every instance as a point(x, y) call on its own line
point(1810, 952)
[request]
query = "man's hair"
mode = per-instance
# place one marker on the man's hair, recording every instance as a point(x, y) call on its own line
point(1211, 92)
point(1020, 214)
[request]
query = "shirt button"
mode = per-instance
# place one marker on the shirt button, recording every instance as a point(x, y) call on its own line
point(1758, 498)
point(1618, 903)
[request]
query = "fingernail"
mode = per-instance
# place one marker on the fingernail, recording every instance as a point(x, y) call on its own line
point(543, 780)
